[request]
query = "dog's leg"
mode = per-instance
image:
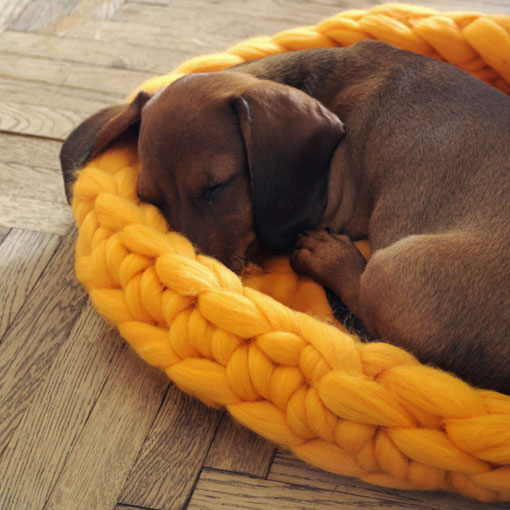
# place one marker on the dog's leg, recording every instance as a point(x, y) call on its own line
point(333, 261)
point(427, 294)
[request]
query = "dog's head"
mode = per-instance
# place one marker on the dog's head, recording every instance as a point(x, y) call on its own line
point(233, 162)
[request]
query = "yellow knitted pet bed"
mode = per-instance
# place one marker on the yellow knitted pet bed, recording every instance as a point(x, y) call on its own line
point(368, 410)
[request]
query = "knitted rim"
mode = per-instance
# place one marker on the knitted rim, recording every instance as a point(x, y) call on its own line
point(364, 410)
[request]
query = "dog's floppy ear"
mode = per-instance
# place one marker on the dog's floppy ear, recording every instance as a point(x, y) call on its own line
point(290, 139)
point(94, 134)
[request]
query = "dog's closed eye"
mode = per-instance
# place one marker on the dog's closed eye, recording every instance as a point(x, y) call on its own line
point(212, 194)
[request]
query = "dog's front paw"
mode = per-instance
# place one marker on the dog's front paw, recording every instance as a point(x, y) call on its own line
point(329, 259)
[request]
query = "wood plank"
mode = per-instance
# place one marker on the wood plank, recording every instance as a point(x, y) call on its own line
point(46, 110)
point(29, 346)
point(3, 233)
point(237, 449)
point(179, 27)
point(27, 150)
point(122, 506)
point(100, 461)
point(168, 465)
point(37, 452)
point(260, 12)
point(34, 214)
point(288, 469)
point(149, 2)
point(34, 198)
point(39, 14)
point(71, 74)
point(301, 10)
point(136, 34)
point(9, 10)
point(100, 9)
point(53, 450)
point(33, 181)
point(34, 192)
point(241, 492)
point(38, 120)
point(114, 54)
point(24, 256)
point(72, 99)
point(489, 6)
point(44, 16)
point(298, 13)
point(185, 33)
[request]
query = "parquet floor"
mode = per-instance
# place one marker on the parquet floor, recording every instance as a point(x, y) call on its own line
point(84, 424)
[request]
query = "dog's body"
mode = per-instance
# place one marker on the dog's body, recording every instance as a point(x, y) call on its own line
point(419, 163)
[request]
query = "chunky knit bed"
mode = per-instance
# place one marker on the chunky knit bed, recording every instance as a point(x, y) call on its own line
point(267, 347)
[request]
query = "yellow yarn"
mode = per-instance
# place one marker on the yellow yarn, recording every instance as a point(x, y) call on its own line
point(365, 410)
point(477, 43)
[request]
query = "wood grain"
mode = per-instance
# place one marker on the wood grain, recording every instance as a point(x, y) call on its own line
point(37, 120)
point(235, 448)
point(58, 97)
point(99, 462)
point(100, 9)
point(44, 16)
point(34, 192)
point(149, 2)
point(202, 36)
point(304, 12)
point(219, 489)
point(122, 506)
point(28, 348)
point(265, 14)
point(27, 150)
point(33, 181)
point(35, 214)
point(40, 14)
point(71, 74)
point(114, 54)
point(84, 423)
point(11, 9)
point(287, 468)
point(226, 23)
point(18, 275)
point(169, 462)
point(36, 454)
point(300, 9)
point(3, 233)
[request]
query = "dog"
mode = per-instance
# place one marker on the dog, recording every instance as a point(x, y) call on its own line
point(304, 152)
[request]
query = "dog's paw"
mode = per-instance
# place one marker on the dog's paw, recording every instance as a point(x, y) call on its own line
point(327, 258)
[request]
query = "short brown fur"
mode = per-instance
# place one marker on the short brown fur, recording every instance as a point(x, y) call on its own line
point(306, 151)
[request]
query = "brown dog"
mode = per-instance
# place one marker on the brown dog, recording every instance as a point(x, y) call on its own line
point(257, 158)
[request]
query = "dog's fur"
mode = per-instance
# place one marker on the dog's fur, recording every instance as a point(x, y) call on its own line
point(304, 151)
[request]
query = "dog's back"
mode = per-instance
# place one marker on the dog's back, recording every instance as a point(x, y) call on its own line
point(439, 135)
point(428, 147)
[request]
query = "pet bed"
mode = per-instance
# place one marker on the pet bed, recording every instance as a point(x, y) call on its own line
point(266, 347)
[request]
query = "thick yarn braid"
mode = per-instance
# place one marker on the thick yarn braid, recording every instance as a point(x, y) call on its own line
point(365, 410)
point(479, 44)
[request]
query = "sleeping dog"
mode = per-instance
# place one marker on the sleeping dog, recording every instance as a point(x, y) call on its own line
point(304, 152)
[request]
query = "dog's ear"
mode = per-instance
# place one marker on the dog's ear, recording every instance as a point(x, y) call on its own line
point(94, 134)
point(290, 139)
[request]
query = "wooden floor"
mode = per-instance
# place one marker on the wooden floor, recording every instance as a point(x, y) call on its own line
point(84, 424)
